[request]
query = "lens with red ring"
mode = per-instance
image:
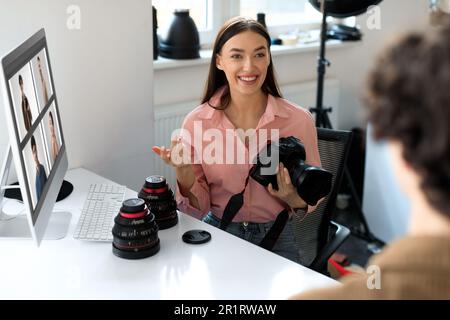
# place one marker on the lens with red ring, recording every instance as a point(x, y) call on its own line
point(161, 201)
point(135, 232)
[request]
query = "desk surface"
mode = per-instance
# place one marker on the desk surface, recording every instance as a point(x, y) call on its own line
point(224, 268)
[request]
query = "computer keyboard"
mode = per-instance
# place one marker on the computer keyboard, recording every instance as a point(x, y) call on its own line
point(102, 204)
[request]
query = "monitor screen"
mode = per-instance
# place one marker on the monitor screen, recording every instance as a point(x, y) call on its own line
point(37, 122)
point(35, 128)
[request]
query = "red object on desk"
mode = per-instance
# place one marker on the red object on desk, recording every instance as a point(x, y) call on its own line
point(340, 269)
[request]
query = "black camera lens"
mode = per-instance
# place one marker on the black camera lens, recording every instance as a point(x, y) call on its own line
point(135, 232)
point(147, 219)
point(312, 183)
point(160, 199)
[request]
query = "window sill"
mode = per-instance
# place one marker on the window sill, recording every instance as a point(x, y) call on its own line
point(277, 50)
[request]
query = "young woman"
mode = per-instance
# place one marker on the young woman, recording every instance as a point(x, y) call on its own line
point(241, 104)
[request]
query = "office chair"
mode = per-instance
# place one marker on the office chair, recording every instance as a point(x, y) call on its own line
point(317, 236)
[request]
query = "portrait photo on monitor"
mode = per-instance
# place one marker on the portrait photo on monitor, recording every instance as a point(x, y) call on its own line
point(52, 135)
point(24, 100)
point(36, 165)
point(41, 75)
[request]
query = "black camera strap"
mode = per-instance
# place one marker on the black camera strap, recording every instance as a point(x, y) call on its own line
point(235, 204)
point(274, 232)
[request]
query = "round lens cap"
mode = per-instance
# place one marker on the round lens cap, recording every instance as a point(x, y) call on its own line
point(155, 182)
point(133, 205)
point(196, 236)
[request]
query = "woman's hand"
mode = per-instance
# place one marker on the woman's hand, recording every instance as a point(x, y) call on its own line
point(175, 156)
point(178, 158)
point(286, 190)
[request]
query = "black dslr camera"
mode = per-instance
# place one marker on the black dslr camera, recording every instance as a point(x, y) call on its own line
point(312, 183)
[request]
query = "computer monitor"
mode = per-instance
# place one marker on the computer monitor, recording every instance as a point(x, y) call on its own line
point(37, 145)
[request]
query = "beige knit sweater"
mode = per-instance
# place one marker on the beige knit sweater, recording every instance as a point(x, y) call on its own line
point(415, 267)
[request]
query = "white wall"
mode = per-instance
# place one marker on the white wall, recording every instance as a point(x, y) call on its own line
point(385, 207)
point(103, 79)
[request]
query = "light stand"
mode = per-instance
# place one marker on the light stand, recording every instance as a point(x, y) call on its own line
point(322, 119)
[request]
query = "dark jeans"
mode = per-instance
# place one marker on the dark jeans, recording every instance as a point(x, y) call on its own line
point(285, 246)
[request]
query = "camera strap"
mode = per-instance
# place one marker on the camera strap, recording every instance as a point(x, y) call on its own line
point(235, 204)
point(271, 237)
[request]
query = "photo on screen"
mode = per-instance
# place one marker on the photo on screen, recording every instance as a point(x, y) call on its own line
point(24, 100)
point(39, 67)
point(52, 134)
point(36, 165)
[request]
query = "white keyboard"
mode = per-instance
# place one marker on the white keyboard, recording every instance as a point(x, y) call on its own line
point(102, 204)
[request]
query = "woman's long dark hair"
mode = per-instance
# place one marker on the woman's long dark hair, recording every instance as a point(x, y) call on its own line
point(217, 78)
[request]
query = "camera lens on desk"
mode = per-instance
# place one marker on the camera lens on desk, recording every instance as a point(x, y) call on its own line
point(135, 232)
point(161, 201)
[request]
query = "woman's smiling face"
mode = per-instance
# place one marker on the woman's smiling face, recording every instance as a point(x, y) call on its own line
point(244, 59)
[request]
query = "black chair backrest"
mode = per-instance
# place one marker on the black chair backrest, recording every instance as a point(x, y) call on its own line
point(312, 231)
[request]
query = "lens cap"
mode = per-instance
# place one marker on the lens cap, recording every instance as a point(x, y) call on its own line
point(155, 182)
point(196, 236)
point(133, 205)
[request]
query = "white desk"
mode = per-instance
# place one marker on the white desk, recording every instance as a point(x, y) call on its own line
point(224, 268)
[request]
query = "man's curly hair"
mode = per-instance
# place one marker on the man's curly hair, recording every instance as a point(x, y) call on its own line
point(408, 100)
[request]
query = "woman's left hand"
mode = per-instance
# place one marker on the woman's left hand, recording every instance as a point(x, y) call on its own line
point(286, 190)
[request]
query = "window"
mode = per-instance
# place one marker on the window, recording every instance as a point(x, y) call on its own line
point(281, 16)
point(281, 12)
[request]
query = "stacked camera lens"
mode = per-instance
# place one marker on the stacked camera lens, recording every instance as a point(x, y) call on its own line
point(160, 199)
point(135, 232)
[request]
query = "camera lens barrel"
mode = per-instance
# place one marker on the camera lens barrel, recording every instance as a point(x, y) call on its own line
point(135, 232)
point(160, 199)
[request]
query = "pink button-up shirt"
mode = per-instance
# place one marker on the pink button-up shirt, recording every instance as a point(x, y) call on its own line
point(216, 181)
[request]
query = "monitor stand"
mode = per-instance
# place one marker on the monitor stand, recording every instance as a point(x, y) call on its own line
point(16, 226)
point(13, 221)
